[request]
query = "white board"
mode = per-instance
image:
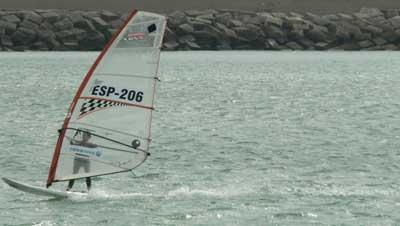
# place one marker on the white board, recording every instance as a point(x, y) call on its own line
point(38, 190)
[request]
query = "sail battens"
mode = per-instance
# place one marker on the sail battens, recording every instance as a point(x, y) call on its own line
point(109, 119)
point(129, 75)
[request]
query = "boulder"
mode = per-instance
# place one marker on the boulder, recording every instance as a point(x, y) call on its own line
point(23, 36)
point(108, 16)
point(50, 17)
point(223, 45)
point(395, 22)
point(379, 41)
point(85, 25)
point(100, 23)
point(64, 24)
point(317, 34)
point(235, 23)
point(65, 35)
point(365, 44)
point(116, 23)
point(274, 32)
point(271, 44)
point(45, 35)
point(226, 32)
point(11, 18)
point(28, 24)
point(186, 38)
point(268, 19)
point(370, 12)
point(6, 41)
point(316, 19)
point(171, 45)
point(389, 13)
point(176, 18)
point(93, 41)
point(39, 46)
point(294, 46)
point(185, 28)
point(33, 17)
point(247, 34)
point(9, 27)
point(223, 18)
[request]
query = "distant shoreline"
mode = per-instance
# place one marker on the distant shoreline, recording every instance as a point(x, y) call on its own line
point(76, 30)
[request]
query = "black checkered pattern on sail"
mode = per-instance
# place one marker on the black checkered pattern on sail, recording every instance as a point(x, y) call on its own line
point(94, 104)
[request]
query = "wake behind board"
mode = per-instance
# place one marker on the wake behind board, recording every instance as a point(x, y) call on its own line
point(39, 190)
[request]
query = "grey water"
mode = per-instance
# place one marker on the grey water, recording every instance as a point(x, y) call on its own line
point(239, 138)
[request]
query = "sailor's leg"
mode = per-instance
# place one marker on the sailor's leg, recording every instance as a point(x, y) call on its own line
point(70, 184)
point(88, 183)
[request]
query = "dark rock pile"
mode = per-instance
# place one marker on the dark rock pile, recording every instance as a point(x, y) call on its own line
point(369, 29)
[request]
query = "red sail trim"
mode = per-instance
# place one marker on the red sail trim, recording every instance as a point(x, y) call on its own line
point(56, 155)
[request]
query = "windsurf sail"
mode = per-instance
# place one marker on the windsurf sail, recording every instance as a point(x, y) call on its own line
point(107, 128)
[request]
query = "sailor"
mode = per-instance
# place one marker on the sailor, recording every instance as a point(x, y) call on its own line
point(81, 159)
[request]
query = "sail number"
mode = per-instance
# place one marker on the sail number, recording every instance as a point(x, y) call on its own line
point(123, 94)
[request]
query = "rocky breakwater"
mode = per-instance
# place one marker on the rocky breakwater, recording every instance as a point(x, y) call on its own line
point(57, 30)
point(369, 29)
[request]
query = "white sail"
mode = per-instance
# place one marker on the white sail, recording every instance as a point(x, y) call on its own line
point(107, 129)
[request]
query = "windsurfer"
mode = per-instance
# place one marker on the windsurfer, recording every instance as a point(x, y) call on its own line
point(81, 158)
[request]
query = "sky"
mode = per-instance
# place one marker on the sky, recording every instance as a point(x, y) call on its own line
point(315, 6)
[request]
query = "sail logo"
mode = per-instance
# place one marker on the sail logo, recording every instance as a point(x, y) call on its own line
point(134, 36)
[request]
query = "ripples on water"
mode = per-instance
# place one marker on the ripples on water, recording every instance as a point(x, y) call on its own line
point(257, 138)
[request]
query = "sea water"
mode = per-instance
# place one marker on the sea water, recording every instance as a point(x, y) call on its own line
point(239, 138)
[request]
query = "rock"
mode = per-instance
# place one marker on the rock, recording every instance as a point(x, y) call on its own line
point(11, 18)
point(46, 35)
point(274, 32)
point(226, 32)
point(116, 23)
point(223, 18)
point(374, 30)
point(93, 41)
point(344, 16)
point(223, 45)
point(28, 24)
point(33, 17)
point(247, 33)
point(46, 26)
point(108, 16)
point(395, 22)
point(100, 24)
point(50, 17)
point(85, 25)
point(23, 36)
point(317, 19)
point(186, 28)
point(71, 45)
point(8, 26)
point(176, 18)
point(64, 24)
point(6, 41)
point(186, 38)
point(294, 46)
point(271, 44)
point(192, 45)
point(65, 35)
point(390, 47)
point(371, 12)
point(21, 48)
point(389, 13)
point(269, 19)
point(235, 23)
point(39, 46)
point(379, 41)
point(171, 45)
point(317, 34)
point(365, 44)
point(76, 18)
